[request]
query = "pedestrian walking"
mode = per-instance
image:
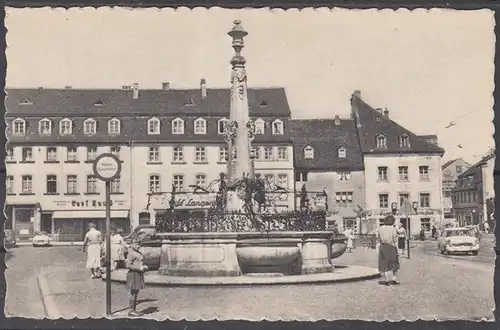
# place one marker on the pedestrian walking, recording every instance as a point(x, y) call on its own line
point(401, 238)
point(349, 233)
point(135, 276)
point(92, 245)
point(434, 232)
point(117, 249)
point(388, 261)
point(486, 227)
point(422, 234)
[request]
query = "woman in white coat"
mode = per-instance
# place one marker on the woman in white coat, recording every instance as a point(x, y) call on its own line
point(349, 233)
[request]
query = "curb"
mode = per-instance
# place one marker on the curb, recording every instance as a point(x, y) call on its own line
point(20, 244)
point(49, 305)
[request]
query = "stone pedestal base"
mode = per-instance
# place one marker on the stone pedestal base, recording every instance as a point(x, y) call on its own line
point(316, 256)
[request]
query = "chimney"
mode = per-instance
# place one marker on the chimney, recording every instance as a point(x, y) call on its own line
point(68, 87)
point(165, 86)
point(135, 88)
point(40, 89)
point(337, 120)
point(357, 94)
point(386, 113)
point(203, 87)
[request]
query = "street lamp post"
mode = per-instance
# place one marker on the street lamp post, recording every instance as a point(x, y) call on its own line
point(415, 208)
point(107, 167)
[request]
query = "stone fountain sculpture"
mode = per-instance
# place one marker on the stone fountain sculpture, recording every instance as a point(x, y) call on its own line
point(245, 242)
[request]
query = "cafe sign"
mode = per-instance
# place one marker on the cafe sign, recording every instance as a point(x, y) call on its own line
point(107, 167)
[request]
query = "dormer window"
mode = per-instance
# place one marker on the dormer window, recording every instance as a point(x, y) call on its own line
point(342, 152)
point(26, 101)
point(18, 126)
point(337, 120)
point(153, 126)
point(200, 126)
point(114, 126)
point(65, 127)
point(381, 142)
point(190, 103)
point(263, 104)
point(45, 127)
point(98, 103)
point(89, 126)
point(277, 127)
point(259, 126)
point(308, 152)
point(221, 125)
point(177, 126)
point(404, 141)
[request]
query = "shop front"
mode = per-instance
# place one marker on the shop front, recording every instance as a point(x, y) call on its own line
point(413, 222)
point(23, 220)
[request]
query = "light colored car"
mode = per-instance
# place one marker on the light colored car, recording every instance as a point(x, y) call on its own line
point(41, 239)
point(458, 240)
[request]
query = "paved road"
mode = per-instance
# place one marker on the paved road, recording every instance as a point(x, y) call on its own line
point(432, 286)
point(486, 254)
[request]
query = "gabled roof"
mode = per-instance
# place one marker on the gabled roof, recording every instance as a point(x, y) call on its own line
point(472, 170)
point(370, 123)
point(115, 102)
point(326, 138)
point(448, 163)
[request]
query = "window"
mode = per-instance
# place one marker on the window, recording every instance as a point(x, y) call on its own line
point(154, 154)
point(179, 182)
point(10, 157)
point(200, 154)
point(201, 180)
point(19, 127)
point(115, 151)
point(115, 186)
point(308, 153)
point(425, 200)
point(9, 184)
point(403, 198)
point(51, 184)
point(89, 126)
point(223, 153)
point(177, 126)
point(381, 142)
point(404, 141)
point(71, 184)
point(200, 126)
point(343, 197)
point(268, 153)
point(301, 176)
point(153, 126)
point(383, 201)
point(259, 126)
point(154, 183)
point(350, 222)
point(71, 155)
point(269, 178)
point(256, 153)
point(178, 154)
point(52, 154)
point(424, 173)
point(282, 153)
point(403, 173)
point(382, 173)
point(221, 125)
point(114, 127)
point(459, 169)
point(65, 126)
point(342, 152)
point(27, 184)
point(27, 154)
point(277, 127)
point(283, 181)
point(45, 127)
point(426, 223)
point(344, 176)
point(91, 153)
point(91, 184)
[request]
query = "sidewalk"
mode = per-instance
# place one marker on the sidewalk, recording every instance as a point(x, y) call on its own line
point(29, 243)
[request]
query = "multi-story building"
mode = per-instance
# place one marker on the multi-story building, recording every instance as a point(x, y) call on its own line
point(473, 195)
point(165, 138)
point(328, 158)
point(451, 170)
point(401, 168)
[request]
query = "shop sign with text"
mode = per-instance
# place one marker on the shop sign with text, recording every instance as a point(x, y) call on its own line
point(87, 204)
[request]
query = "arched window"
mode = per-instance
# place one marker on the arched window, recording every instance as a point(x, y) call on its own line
point(342, 152)
point(154, 183)
point(113, 126)
point(66, 127)
point(153, 126)
point(200, 126)
point(277, 127)
point(177, 126)
point(404, 141)
point(18, 126)
point(45, 126)
point(89, 126)
point(381, 141)
point(221, 125)
point(308, 152)
point(259, 126)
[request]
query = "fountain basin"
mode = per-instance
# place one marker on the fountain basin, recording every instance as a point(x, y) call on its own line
point(339, 246)
point(238, 253)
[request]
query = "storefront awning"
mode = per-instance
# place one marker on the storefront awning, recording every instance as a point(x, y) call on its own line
point(85, 214)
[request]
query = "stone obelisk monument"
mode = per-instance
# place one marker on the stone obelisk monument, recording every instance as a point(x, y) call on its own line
point(239, 130)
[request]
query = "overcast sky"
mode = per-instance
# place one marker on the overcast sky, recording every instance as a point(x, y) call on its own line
point(428, 68)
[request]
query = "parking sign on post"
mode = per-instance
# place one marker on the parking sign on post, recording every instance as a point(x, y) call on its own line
point(107, 167)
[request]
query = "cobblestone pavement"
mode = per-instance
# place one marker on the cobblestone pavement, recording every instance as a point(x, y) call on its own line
point(486, 254)
point(431, 287)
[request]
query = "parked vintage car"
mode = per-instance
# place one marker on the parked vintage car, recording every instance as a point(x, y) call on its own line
point(9, 240)
point(458, 240)
point(41, 239)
